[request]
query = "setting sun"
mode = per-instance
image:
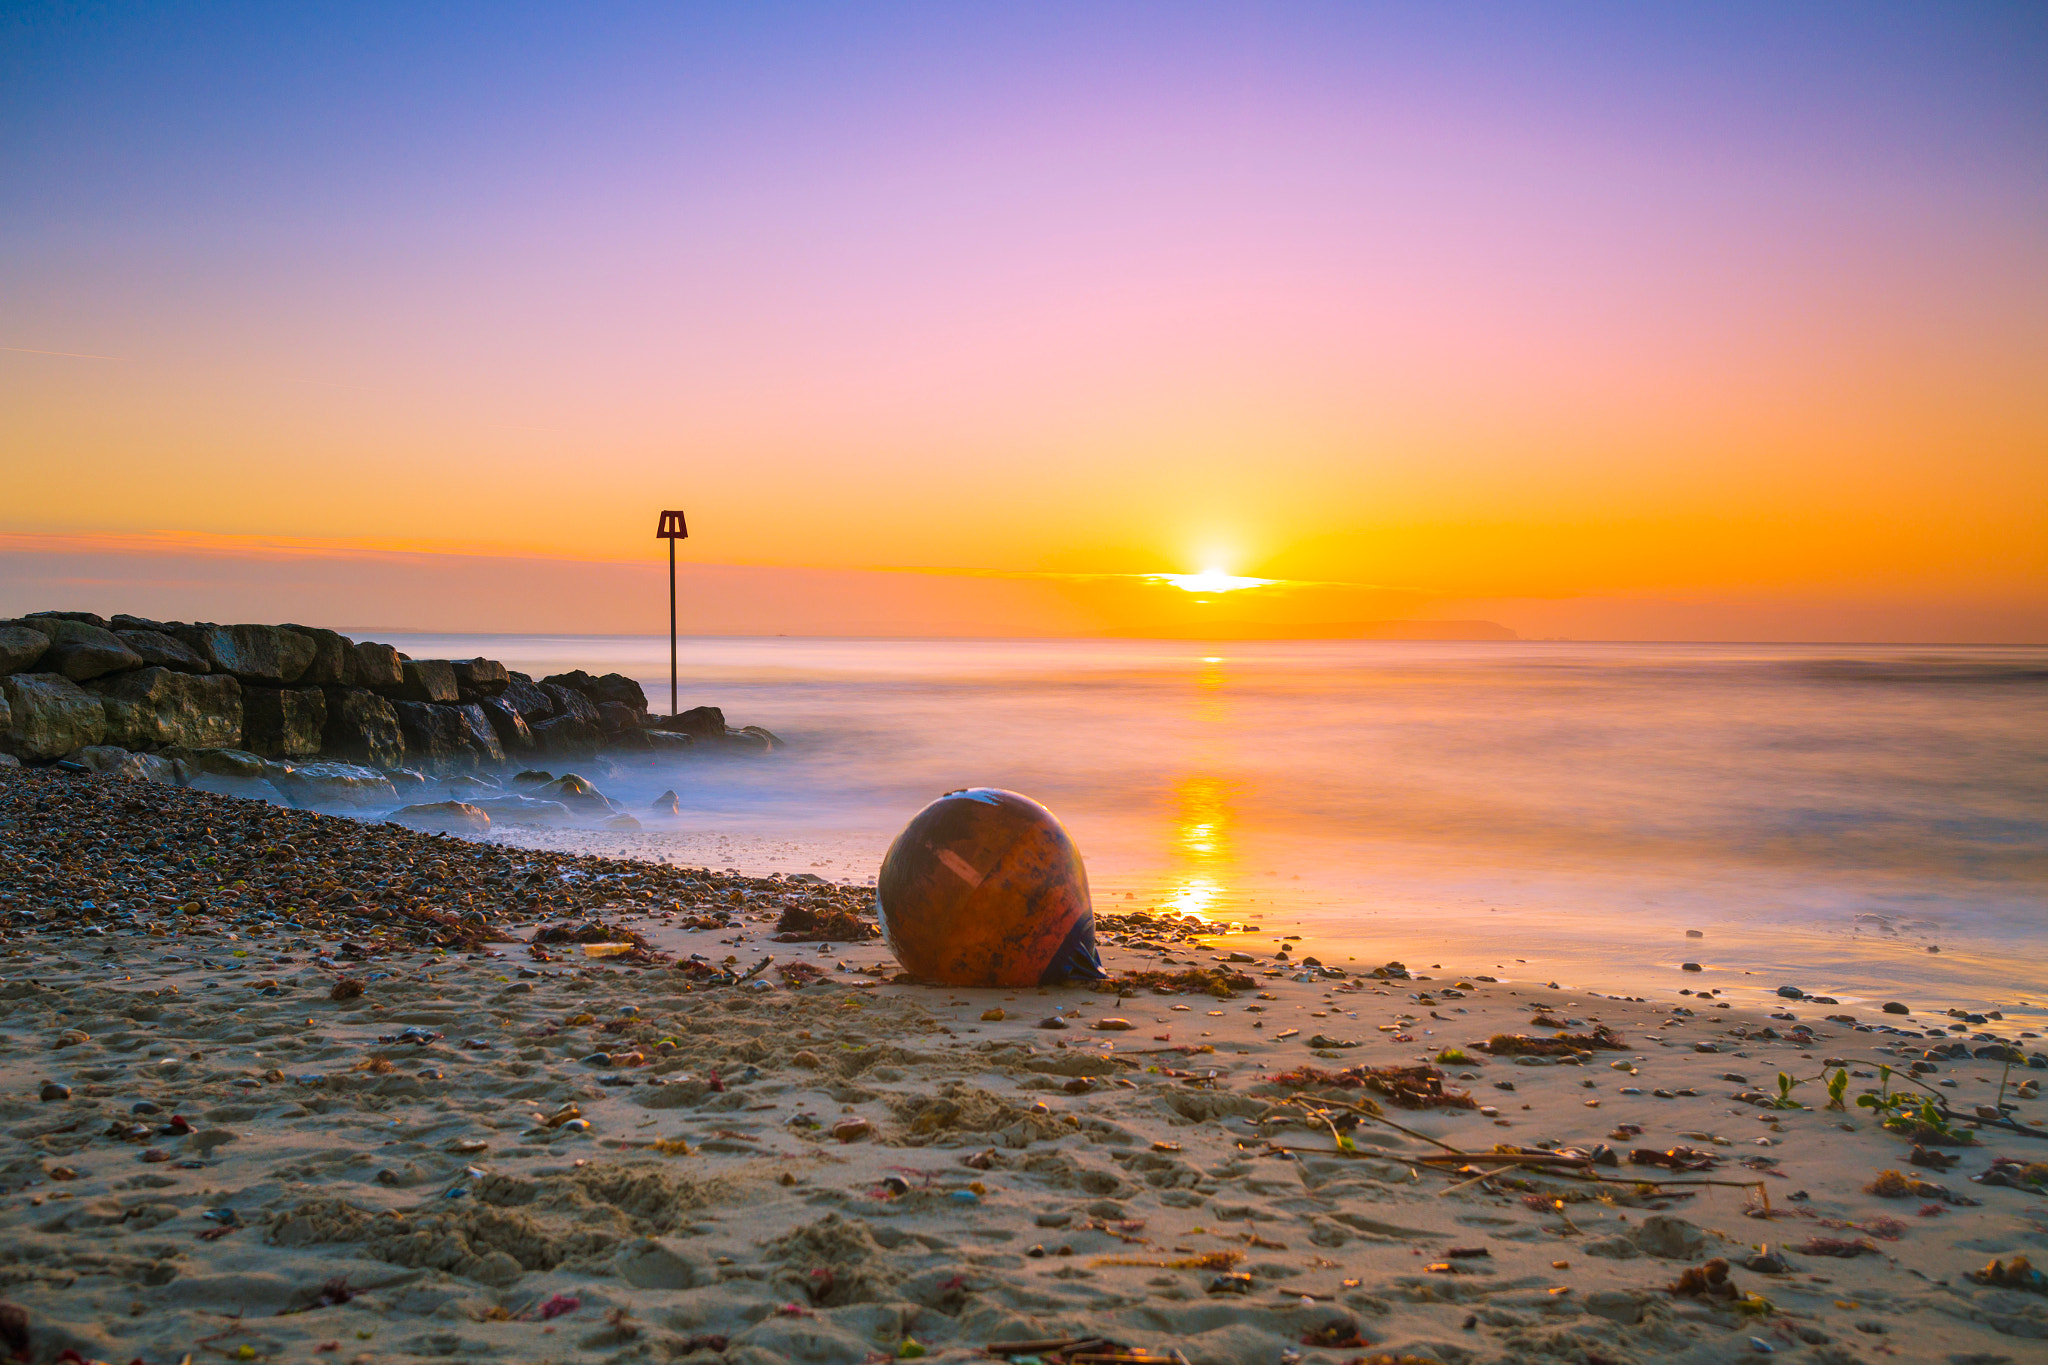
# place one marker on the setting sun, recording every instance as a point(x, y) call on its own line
point(1211, 580)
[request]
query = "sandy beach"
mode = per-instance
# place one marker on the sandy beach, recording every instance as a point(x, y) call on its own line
point(321, 1098)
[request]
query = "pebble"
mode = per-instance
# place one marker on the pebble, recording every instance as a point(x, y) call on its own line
point(52, 1090)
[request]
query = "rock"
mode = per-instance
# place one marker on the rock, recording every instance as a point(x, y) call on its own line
point(20, 647)
point(363, 727)
point(378, 666)
point(48, 716)
point(436, 737)
point(628, 741)
point(667, 804)
point(123, 621)
point(228, 772)
point(113, 761)
point(760, 740)
point(483, 739)
point(329, 786)
point(700, 722)
point(622, 822)
point(296, 652)
point(571, 703)
point(478, 678)
point(283, 722)
point(454, 817)
point(252, 653)
point(1791, 992)
point(661, 741)
point(406, 781)
point(615, 717)
point(523, 696)
point(1894, 1007)
point(513, 736)
point(52, 1091)
point(6, 760)
point(576, 680)
point(155, 708)
point(1690, 967)
point(523, 810)
point(81, 652)
point(565, 736)
point(428, 680)
point(334, 658)
point(616, 687)
point(578, 795)
point(532, 777)
point(159, 650)
point(82, 617)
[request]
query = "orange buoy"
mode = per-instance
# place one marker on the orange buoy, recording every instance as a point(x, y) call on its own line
point(984, 888)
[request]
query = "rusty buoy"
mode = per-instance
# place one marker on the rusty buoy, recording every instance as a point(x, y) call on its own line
point(984, 888)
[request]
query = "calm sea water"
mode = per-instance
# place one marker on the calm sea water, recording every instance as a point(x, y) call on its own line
point(1823, 815)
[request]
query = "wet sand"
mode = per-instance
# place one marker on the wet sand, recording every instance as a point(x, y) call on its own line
point(819, 1163)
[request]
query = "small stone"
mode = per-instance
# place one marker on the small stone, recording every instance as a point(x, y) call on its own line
point(1694, 933)
point(1052, 1021)
point(54, 1091)
point(852, 1129)
point(1791, 993)
point(1112, 1025)
point(1894, 1007)
point(994, 1016)
point(1690, 967)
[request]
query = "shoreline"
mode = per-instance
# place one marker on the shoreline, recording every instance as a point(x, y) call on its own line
point(1124, 1174)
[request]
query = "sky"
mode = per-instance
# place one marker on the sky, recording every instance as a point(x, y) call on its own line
point(1611, 321)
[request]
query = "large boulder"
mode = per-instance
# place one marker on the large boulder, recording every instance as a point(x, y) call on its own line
point(229, 772)
point(314, 786)
point(576, 680)
point(364, 727)
point(254, 654)
point(81, 651)
point(123, 621)
point(522, 810)
point(378, 666)
point(113, 761)
point(283, 722)
point(82, 617)
point(614, 717)
point(565, 736)
point(479, 678)
point(580, 796)
point(453, 817)
point(295, 653)
point(159, 650)
point(524, 696)
point(666, 742)
point(155, 708)
point(430, 680)
point(700, 722)
point(619, 688)
point(436, 737)
point(571, 703)
point(48, 716)
point(513, 736)
point(483, 738)
point(334, 658)
point(20, 647)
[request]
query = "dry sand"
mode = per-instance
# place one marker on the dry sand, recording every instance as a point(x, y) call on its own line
point(348, 1192)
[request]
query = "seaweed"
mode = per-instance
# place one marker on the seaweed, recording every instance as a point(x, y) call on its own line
point(812, 924)
point(1217, 981)
point(1410, 1087)
point(1522, 1045)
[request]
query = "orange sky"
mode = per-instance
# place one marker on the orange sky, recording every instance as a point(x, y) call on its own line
point(1474, 337)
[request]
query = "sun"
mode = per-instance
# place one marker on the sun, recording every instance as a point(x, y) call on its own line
point(1211, 581)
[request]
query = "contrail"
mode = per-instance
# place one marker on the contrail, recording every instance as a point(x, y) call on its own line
point(73, 355)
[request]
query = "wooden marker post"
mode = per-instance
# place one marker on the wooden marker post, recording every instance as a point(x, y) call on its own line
point(671, 529)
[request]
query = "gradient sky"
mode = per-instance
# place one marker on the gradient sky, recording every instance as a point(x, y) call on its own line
point(1462, 304)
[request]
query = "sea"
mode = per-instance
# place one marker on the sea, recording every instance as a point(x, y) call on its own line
point(1863, 822)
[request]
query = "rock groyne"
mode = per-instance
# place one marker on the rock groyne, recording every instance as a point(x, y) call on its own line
point(171, 700)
